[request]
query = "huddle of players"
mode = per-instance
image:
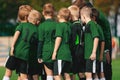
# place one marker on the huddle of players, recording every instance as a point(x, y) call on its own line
point(54, 44)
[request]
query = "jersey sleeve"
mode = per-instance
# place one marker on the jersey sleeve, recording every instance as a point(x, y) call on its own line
point(59, 31)
point(94, 30)
point(19, 28)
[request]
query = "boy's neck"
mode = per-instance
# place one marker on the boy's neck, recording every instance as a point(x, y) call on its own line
point(23, 21)
point(48, 17)
point(74, 18)
point(87, 20)
point(62, 20)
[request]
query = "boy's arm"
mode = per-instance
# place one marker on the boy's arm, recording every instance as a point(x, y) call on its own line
point(39, 51)
point(15, 37)
point(95, 45)
point(102, 50)
point(57, 44)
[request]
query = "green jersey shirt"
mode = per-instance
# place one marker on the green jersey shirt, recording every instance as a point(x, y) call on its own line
point(103, 22)
point(22, 46)
point(101, 38)
point(63, 30)
point(46, 33)
point(91, 32)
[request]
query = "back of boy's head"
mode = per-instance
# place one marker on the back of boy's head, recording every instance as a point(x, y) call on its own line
point(86, 4)
point(74, 10)
point(48, 9)
point(34, 16)
point(95, 14)
point(79, 2)
point(86, 11)
point(64, 13)
point(23, 12)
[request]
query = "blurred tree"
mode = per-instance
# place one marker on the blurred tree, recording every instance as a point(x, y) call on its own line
point(103, 5)
point(9, 10)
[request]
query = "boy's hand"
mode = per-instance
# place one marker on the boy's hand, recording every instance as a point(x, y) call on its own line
point(108, 57)
point(11, 51)
point(54, 56)
point(40, 60)
point(93, 56)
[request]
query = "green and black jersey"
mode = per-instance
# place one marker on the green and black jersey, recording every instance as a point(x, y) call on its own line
point(91, 32)
point(101, 39)
point(22, 46)
point(46, 34)
point(63, 30)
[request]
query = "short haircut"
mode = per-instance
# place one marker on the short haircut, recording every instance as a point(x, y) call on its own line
point(48, 9)
point(86, 11)
point(64, 13)
point(35, 15)
point(74, 10)
point(79, 3)
point(23, 12)
point(95, 14)
point(87, 4)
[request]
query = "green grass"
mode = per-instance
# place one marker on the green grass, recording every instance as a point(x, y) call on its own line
point(115, 68)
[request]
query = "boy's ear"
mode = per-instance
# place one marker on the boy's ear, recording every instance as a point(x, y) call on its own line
point(43, 13)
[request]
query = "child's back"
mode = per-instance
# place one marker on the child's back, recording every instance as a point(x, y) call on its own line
point(22, 47)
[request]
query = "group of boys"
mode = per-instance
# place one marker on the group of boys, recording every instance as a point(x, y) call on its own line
point(74, 44)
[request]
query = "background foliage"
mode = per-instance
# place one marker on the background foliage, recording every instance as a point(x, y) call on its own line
point(9, 8)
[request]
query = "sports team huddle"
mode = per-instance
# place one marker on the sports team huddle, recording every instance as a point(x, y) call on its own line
point(69, 44)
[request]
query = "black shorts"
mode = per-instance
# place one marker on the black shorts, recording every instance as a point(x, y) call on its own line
point(49, 65)
point(35, 68)
point(100, 66)
point(78, 65)
point(60, 67)
point(19, 65)
point(11, 63)
point(91, 66)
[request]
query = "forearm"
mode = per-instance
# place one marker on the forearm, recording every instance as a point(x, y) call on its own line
point(95, 45)
point(57, 43)
point(102, 48)
point(15, 37)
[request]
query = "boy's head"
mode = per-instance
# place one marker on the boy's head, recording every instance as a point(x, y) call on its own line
point(64, 13)
point(79, 2)
point(95, 14)
point(34, 17)
point(23, 12)
point(74, 11)
point(48, 10)
point(85, 14)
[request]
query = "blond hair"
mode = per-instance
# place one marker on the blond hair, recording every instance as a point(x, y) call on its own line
point(48, 9)
point(23, 12)
point(86, 11)
point(64, 13)
point(74, 10)
point(34, 16)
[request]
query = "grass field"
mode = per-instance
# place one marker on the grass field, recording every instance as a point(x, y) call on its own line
point(115, 68)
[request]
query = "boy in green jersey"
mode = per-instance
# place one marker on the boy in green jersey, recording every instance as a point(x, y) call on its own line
point(100, 55)
point(91, 41)
point(12, 62)
point(34, 68)
point(46, 35)
point(61, 54)
point(78, 61)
